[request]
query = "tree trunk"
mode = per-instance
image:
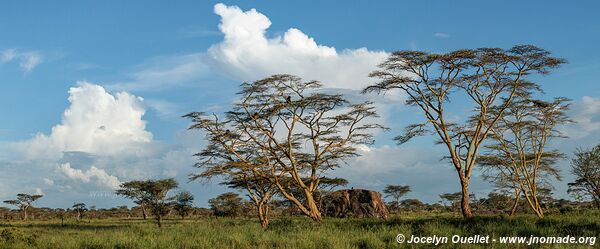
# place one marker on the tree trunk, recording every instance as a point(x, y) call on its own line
point(263, 215)
point(464, 203)
point(24, 213)
point(313, 209)
point(143, 210)
point(513, 210)
point(158, 219)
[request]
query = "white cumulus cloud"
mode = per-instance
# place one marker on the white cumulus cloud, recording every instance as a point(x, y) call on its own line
point(248, 54)
point(97, 175)
point(96, 122)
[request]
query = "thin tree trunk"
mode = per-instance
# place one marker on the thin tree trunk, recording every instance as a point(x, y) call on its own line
point(143, 210)
point(24, 213)
point(513, 210)
point(464, 202)
point(158, 219)
point(263, 215)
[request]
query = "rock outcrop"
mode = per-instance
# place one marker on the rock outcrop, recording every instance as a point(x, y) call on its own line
point(354, 203)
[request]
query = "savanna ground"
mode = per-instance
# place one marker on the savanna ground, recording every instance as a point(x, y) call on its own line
point(292, 232)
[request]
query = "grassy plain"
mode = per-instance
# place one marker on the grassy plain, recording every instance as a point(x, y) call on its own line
point(292, 232)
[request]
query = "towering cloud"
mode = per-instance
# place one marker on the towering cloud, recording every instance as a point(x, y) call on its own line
point(246, 53)
point(96, 122)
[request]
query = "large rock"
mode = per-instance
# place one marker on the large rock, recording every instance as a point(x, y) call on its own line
point(354, 203)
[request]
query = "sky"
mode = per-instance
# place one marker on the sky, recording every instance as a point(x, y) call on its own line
point(92, 93)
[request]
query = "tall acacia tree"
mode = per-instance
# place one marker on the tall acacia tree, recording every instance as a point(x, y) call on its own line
point(481, 78)
point(518, 150)
point(285, 128)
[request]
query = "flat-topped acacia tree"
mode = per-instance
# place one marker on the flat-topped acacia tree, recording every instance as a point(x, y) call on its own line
point(24, 202)
point(479, 79)
point(284, 128)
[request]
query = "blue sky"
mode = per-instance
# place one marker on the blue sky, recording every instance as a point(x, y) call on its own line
point(155, 61)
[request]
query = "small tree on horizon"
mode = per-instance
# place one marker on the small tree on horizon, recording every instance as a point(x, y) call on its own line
point(226, 204)
point(396, 192)
point(155, 192)
point(79, 208)
point(24, 202)
point(152, 193)
point(183, 203)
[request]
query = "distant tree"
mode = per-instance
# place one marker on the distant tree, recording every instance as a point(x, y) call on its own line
point(184, 203)
point(79, 208)
point(133, 190)
point(500, 202)
point(396, 192)
point(452, 198)
point(61, 213)
point(155, 192)
point(151, 193)
point(227, 204)
point(285, 128)
point(586, 168)
point(483, 79)
point(24, 202)
point(412, 204)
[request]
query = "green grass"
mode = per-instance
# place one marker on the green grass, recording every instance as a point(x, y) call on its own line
point(290, 232)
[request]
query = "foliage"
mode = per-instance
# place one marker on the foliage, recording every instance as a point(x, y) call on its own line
point(487, 78)
point(227, 204)
point(286, 132)
point(183, 203)
point(396, 192)
point(586, 168)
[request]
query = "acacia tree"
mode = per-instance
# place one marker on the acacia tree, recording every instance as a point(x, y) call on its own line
point(155, 192)
point(24, 202)
point(586, 168)
point(226, 204)
point(396, 192)
point(518, 152)
point(133, 190)
point(452, 198)
point(183, 203)
point(152, 193)
point(483, 77)
point(79, 208)
point(285, 128)
point(260, 191)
